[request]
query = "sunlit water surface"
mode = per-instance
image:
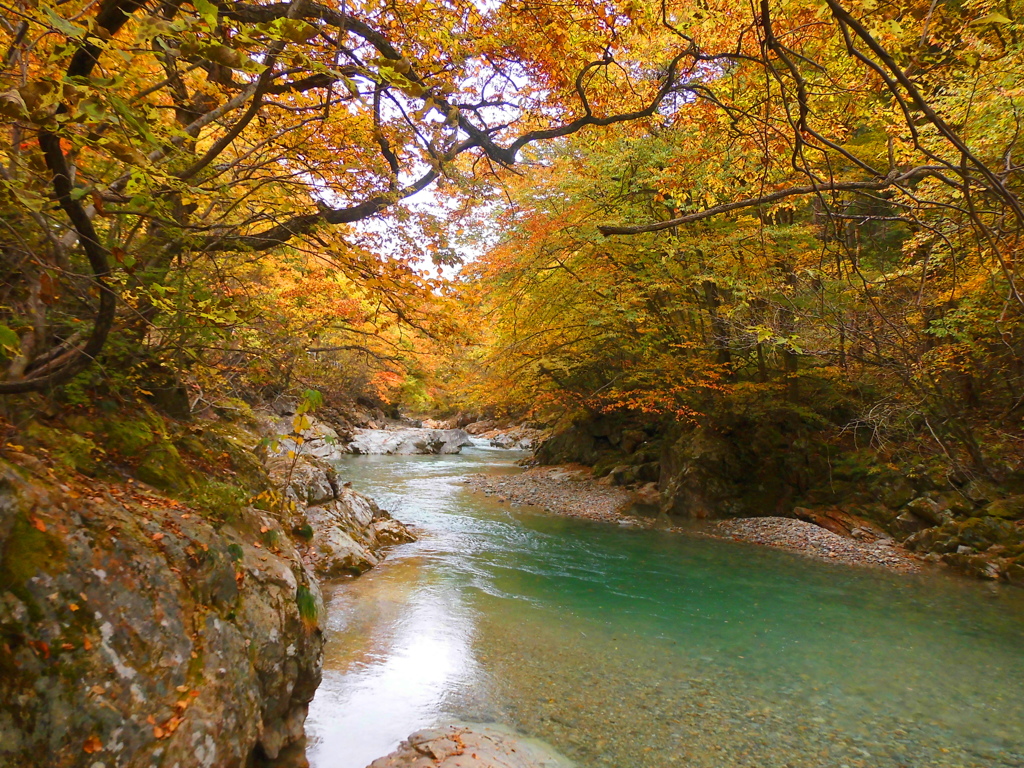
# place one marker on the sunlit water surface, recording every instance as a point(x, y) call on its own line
point(628, 648)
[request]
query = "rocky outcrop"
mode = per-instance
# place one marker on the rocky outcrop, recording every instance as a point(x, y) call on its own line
point(408, 441)
point(346, 532)
point(139, 629)
point(135, 630)
point(471, 746)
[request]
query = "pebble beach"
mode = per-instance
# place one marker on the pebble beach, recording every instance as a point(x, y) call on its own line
point(572, 491)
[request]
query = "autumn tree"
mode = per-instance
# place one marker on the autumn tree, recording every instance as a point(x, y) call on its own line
point(833, 196)
point(148, 142)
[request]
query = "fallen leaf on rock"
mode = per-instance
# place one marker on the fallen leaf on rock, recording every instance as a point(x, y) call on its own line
point(38, 524)
point(92, 744)
point(157, 536)
point(73, 606)
point(264, 529)
point(158, 731)
point(67, 646)
point(98, 690)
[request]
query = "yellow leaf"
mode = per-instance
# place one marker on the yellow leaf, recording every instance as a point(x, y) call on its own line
point(993, 18)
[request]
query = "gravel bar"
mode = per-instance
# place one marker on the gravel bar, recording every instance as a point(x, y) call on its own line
point(565, 490)
point(814, 541)
point(572, 491)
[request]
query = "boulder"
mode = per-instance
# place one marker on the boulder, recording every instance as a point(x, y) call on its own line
point(981, 491)
point(631, 440)
point(349, 532)
point(319, 440)
point(623, 475)
point(144, 635)
point(522, 438)
point(305, 479)
point(503, 441)
point(908, 523)
point(471, 746)
point(929, 509)
point(842, 523)
point(1011, 508)
point(408, 441)
point(897, 493)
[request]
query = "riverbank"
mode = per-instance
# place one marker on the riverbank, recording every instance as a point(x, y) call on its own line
point(571, 490)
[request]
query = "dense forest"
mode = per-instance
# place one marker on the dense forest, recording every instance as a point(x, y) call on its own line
point(666, 210)
point(740, 258)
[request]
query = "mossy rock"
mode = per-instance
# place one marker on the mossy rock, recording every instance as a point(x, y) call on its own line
point(983, 532)
point(163, 468)
point(1011, 508)
point(132, 435)
point(70, 449)
point(221, 501)
point(25, 550)
point(894, 492)
point(605, 465)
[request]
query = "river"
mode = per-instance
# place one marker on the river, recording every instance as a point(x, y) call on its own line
point(633, 648)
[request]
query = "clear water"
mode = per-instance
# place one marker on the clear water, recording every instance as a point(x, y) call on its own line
point(631, 648)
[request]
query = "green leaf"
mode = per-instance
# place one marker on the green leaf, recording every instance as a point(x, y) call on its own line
point(31, 200)
point(207, 10)
point(10, 344)
point(65, 26)
point(313, 397)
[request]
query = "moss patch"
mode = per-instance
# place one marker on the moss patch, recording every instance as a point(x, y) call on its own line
point(26, 552)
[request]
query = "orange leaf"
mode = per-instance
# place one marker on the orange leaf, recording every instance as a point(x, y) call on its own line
point(157, 536)
point(92, 744)
point(38, 524)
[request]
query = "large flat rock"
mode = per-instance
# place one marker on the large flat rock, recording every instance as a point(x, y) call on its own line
point(471, 746)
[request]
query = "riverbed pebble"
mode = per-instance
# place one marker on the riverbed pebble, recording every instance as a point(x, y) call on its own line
point(813, 540)
point(564, 490)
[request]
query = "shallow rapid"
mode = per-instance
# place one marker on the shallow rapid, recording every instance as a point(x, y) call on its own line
point(632, 648)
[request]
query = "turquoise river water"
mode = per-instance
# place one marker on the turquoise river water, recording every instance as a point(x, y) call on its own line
point(634, 648)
